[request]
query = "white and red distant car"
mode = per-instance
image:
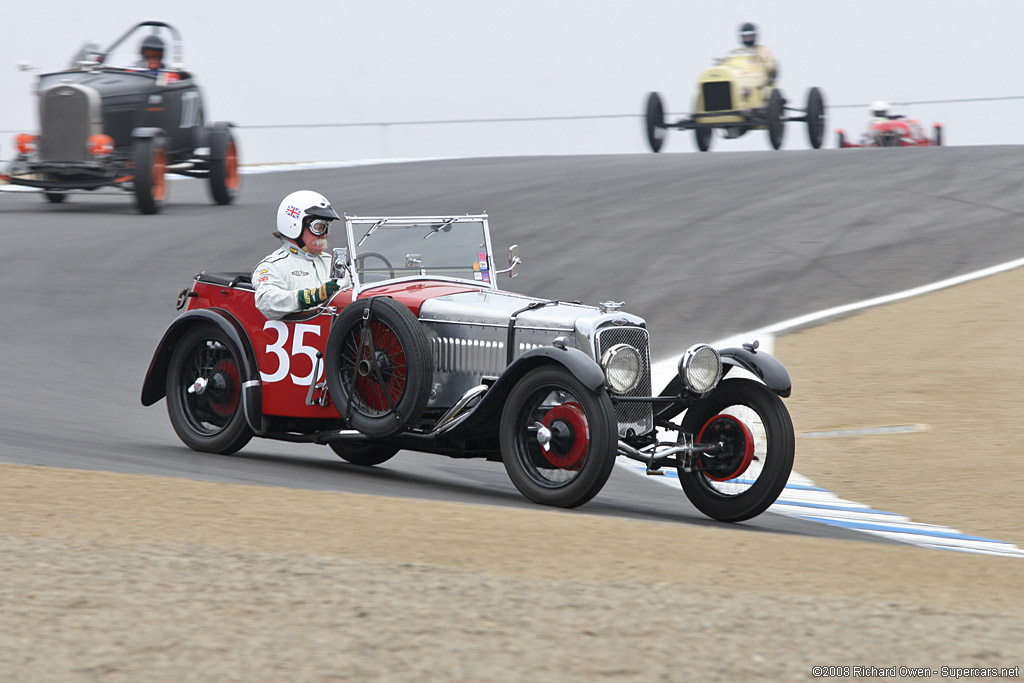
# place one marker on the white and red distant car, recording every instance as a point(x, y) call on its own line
point(892, 130)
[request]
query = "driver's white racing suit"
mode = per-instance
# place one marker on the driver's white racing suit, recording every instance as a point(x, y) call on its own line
point(280, 277)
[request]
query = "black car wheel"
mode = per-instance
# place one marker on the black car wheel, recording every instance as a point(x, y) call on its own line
point(840, 139)
point(204, 392)
point(655, 122)
point(558, 438)
point(937, 141)
point(224, 177)
point(378, 369)
point(55, 197)
point(150, 156)
point(776, 122)
point(703, 136)
point(744, 478)
point(815, 117)
point(365, 454)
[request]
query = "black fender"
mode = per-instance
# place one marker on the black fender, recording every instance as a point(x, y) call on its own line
point(583, 367)
point(764, 366)
point(154, 387)
point(143, 133)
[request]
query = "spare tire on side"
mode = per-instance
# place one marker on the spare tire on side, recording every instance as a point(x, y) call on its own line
point(378, 367)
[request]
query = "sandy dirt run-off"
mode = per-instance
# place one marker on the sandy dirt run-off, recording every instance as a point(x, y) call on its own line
point(118, 577)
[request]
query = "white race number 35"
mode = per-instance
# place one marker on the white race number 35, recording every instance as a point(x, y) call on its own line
point(298, 349)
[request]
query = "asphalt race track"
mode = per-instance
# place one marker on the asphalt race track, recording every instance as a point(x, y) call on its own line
point(701, 245)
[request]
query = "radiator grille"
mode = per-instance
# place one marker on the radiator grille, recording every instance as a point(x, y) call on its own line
point(636, 416)
point(717, 96)
point(65, 124)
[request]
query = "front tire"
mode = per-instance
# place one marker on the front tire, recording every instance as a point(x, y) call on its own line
point(150, 157)
point(379, 381)
point(739, 483)
point(776, 124)
point(937, 140)
point(655, 122)
point(815, 118)
point(583, 439)
point(209, 417)
point(55, 197)
point(224, 177)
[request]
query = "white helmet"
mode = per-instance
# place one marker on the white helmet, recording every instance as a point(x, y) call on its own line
point(297, 206)
point(880, 109)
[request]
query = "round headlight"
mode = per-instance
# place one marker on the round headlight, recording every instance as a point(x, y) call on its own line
point(622, 366)
point(700, 368)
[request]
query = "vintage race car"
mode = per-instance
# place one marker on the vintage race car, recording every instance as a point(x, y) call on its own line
point(735, 95)
point(893, 131)
point(109, 121)
point(425, 353)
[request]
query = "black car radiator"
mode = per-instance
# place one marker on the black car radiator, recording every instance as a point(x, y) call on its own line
point(68, 115)
point(638, 417)
point(717, 96)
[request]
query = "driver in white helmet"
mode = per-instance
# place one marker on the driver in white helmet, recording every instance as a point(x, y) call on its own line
point(298, 275)
point(760, 53)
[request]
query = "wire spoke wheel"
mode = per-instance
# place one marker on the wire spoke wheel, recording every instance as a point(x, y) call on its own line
point(204, 392)
point(558, 438)
point(751, 464)
point(379, 368)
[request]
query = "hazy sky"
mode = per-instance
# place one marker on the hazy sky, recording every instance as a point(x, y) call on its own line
point(263, 63)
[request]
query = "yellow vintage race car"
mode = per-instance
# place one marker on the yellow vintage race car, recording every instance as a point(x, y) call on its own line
point(735, 95)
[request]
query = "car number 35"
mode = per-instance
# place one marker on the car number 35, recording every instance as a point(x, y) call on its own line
point(277, 348)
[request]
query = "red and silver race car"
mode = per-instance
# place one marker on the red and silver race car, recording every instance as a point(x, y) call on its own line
point(892, 130)
point(424, 353)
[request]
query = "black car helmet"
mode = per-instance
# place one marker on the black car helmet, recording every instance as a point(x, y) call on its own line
point(152, 46)
point(748, 34)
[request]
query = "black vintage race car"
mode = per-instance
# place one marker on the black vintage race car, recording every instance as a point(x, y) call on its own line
point(111, 120)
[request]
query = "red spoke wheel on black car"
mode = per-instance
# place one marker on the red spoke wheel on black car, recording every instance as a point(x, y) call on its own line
point(558, 438)
point(378, 369)
point(150, 183)
point(225, 180)
point(204, 392)
point(754, 433)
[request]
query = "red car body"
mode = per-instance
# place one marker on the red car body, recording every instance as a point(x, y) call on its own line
point(896, 131)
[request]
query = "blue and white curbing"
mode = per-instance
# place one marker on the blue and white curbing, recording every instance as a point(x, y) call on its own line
point(803, 499)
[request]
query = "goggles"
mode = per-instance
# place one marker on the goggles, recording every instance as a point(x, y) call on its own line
point(319, 227)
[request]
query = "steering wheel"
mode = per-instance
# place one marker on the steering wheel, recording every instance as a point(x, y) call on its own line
point(360, 266)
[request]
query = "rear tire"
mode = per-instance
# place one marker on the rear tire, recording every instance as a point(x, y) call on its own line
point(225, 180)
point(655, 122)
point(815, 118)
point(841, 140)
point(55, 197)
point(776, 124)
point(150, 156)
point(210, 420)
point(938, 136)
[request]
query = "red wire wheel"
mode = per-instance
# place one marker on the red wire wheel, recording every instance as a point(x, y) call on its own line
point(570, 435)
point(739, 447)
point(378, 394)
point(379, 370)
